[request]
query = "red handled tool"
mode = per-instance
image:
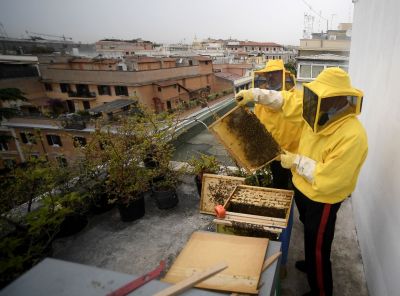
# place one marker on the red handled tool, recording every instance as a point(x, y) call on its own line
point(220, 210)
point(140, 281)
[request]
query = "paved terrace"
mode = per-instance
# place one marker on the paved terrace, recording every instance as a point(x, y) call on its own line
point(137, 247)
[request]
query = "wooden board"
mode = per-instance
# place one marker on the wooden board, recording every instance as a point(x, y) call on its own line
point(244, 256)
point(248, 152)
point(216, 190)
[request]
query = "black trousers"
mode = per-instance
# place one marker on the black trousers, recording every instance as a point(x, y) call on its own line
point(280, 175)
point(319, 227)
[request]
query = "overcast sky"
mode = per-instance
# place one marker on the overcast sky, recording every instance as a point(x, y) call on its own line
point(171, 21)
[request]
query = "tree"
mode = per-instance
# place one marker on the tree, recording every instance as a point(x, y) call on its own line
point(7, 95)
point(291, 66)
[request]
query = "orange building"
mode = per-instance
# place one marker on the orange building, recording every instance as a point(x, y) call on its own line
point(160, 84)
point(38, 137)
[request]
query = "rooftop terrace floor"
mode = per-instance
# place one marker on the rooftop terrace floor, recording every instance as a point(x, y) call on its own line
point(137, 247)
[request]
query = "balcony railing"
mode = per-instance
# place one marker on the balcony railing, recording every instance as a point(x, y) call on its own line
point(74, 94)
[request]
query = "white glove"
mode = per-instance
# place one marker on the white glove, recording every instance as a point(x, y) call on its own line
point(305, 167)
point(270, 98)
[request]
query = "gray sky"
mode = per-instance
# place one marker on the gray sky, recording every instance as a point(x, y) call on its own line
point(171, 20)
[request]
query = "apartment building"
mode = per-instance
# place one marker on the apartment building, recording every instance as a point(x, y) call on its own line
point(55, 139)
point(114, 48)
point(22, 72)
point(160, 84)
point(324, 50)
point(336, 42)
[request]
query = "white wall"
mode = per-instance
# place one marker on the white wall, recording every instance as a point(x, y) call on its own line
point(374, 68)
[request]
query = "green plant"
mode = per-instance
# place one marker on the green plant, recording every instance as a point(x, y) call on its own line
point(10, 95)
point(33, 204)
point(261, 178)
point(119, 152)
point(157, 134)
point(204, 164)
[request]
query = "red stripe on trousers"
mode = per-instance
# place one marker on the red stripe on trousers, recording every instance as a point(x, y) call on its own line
point(318, 253)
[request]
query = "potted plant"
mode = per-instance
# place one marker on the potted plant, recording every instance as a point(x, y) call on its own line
point(157, 132)
point(119, 151)
point(164, 188)
point(261, 178)
point(91, 184)
point(203, 164)
point(30, 216)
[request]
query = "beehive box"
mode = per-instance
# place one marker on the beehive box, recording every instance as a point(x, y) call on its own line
point(216, 190)
point(246, 139)
point(257, 211)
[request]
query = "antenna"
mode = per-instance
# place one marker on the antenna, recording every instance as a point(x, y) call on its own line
point(318, 14)
point(308, 26)
point(332, 15)
point(3, 32)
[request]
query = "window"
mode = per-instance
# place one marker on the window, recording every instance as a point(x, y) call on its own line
point(62, 161)
point(159, 89)
point(82, 90)
point(3, 146)
point(169, 106)
point(54, 140)
point(48, 87)
point(316, 69)
point(206, 62)
point(28, 138)
point(71, 106)
point(121, 90)
point(104, 90)
point(64, 87)
point(190, 63)
point(86, 105)
point(305, 71)
point(79, 141)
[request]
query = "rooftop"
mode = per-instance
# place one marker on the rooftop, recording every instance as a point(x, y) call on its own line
point(111, 106)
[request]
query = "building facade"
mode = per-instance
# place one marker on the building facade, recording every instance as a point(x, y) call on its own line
point(114, 48)
point(158, 83)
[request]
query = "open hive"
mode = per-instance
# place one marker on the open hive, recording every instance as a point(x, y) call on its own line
point(245, 138)
point(216, 190)
point(257, 211)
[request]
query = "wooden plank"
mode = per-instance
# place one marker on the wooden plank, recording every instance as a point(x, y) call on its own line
point(229, 223)
point(270, 260)
point(234, 214)
point(192, 281)
point(205, 248)
point(225, 185)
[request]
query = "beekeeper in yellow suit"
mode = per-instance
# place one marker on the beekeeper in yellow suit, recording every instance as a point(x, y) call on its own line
point(275, 77)
point(332, 148)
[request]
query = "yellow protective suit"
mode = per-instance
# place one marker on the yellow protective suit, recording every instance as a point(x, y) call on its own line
point(339, 149)
point(286, 133)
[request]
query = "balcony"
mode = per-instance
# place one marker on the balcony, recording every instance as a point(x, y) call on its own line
point(87, 95)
